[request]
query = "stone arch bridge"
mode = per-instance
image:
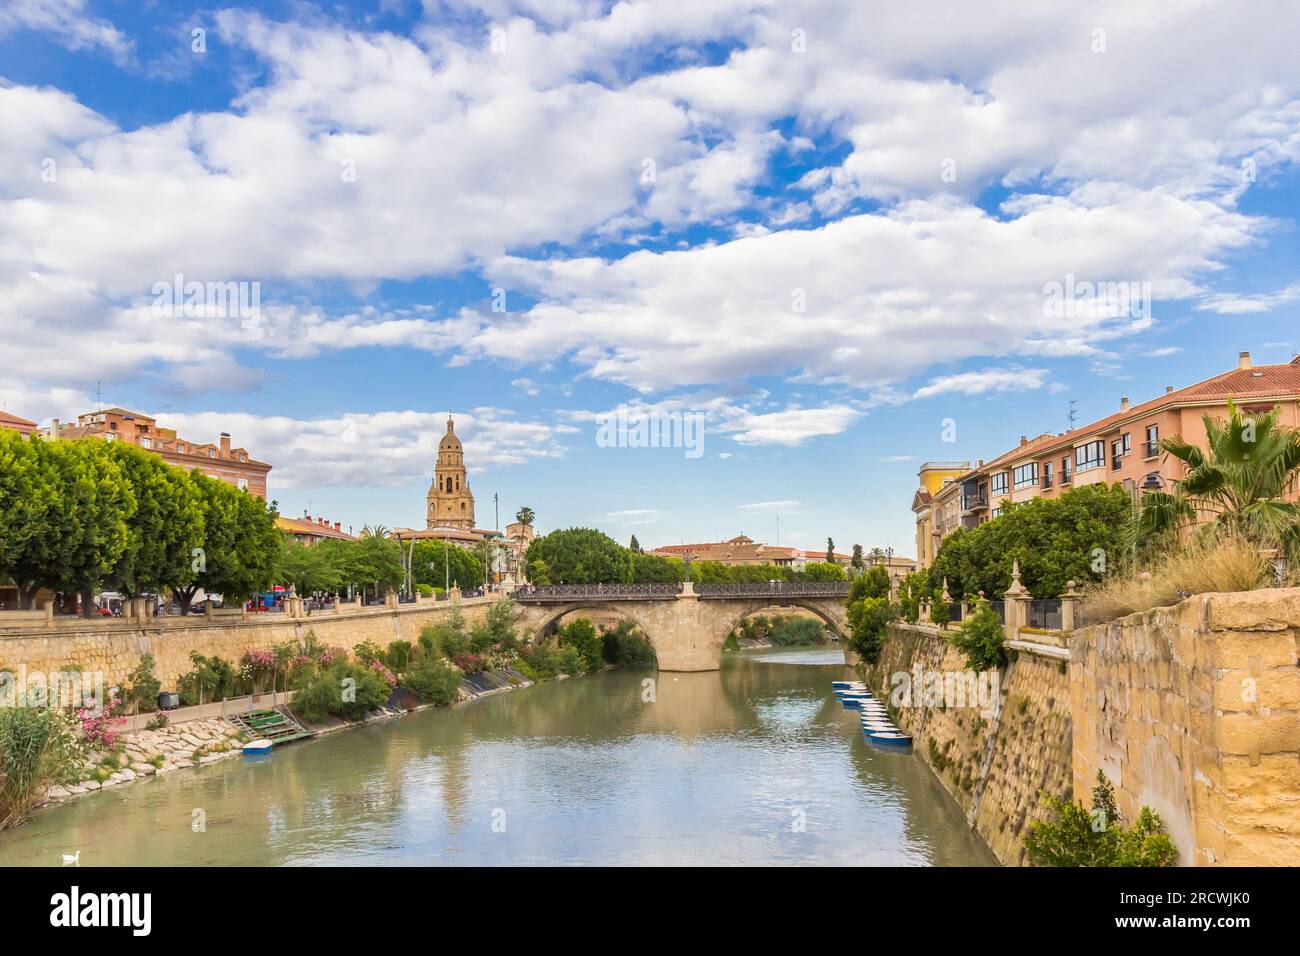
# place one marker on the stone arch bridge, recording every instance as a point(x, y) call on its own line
point(686, 623)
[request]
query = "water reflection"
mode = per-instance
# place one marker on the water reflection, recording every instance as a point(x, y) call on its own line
point(756, 763)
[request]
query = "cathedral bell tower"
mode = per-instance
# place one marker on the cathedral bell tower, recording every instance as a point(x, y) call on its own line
point(450, 502)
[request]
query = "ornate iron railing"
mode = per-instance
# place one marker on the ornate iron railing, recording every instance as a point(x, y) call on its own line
point(775, 589)
point(564, 593)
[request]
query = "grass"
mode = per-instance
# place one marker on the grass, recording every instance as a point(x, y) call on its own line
point(1203, 567)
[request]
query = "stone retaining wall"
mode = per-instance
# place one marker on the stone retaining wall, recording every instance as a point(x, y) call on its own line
point(113, 648)
point(996, 765)
point(1194, 710)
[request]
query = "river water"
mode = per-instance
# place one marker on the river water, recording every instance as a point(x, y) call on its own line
point(754, 764)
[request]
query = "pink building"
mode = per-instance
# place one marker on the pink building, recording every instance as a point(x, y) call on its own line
point(1122, 448)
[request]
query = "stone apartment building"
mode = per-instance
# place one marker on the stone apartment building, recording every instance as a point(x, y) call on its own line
point(1122, 448)
point(229, 464)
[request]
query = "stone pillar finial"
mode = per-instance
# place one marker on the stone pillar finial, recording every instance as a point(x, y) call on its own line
point(946, 596)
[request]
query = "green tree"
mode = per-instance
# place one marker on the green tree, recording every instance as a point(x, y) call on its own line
point(580, 634)
point(634, 546)
point(310, 569)
point(656, 569)
point(874, 582)
point(830, 551)
point(1055, 540)
point(93, 529)
point(856, 560)
point(1236, 484)
point(868, 618)
point(823, 571)
point(580, 556)
point(433, 562)
point(980, 638)
point(31, 499)
point(374, 562)
point(167, 525)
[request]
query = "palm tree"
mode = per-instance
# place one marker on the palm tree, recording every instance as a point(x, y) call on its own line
point(1234, 485)
point(875, 555)
point(378, 531)
point(525, 515)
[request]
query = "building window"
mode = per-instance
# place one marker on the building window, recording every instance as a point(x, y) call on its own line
point(1153, 441)
point(212, 453)
point(1089, 456)
point(998, 484)
point(994, 513)
point(180, 448)
point(1026, 475)
point(146, 442)
point(1066, 470)
point(242, 484)
point(1047, 474)
point(243, 457)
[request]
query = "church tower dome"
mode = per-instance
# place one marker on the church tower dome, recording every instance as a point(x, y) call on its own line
point(450, 502)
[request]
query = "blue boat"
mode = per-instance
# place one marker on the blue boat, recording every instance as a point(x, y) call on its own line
point(255, 748)
point(895, 740)
point(846, 684)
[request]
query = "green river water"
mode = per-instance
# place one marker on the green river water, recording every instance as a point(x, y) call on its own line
point(753, 764)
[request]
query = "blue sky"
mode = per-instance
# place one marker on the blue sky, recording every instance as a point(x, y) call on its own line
point(824, 227)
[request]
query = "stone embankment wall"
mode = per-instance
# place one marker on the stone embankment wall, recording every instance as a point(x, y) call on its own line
point(1194, 710)
point(996, 764)
point(113, 647)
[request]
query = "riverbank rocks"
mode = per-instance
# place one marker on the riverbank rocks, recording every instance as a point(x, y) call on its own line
point(149, 753)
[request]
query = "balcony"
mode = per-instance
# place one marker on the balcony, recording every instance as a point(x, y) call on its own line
point(976, 502)
point(1150, 449)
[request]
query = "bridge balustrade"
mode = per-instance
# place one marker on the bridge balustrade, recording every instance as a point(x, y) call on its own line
point(564, 593)
point(774, 589)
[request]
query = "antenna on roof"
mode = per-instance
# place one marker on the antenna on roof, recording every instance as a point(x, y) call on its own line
point(99, 395)
point(1073, 414)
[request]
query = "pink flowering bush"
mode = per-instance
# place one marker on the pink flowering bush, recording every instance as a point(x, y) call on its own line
point(102, 730)
point(387, 675)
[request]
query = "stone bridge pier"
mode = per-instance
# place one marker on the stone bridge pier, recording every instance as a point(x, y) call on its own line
point(686, 625)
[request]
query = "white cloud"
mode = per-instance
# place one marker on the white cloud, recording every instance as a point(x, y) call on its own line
point(465, 156)
point(369, 449)
point(1230, 304)
point(66, 22)
point(987, 380)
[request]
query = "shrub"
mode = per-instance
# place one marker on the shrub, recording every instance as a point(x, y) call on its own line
point(980, 638)
point(470, 663)
point(143, 686)
point(38, 747)
point(367, 652)
point(580, 635)
point(398, 657)
point(434, 681)
point(796, 630)
point(1077, 837)
point(624, 646)
point(940, 613)
point(101, 728)
point(212, 678)
point(158, 722)
point(344, 689)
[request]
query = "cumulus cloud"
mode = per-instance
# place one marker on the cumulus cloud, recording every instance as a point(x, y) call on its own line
point(370, 448)
point(362, 157)
point(987, 380)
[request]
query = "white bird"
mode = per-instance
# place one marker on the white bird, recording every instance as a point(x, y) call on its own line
point(72, 860)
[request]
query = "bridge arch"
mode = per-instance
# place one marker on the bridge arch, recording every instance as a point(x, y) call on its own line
point(835, 623)
point(686, 628)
